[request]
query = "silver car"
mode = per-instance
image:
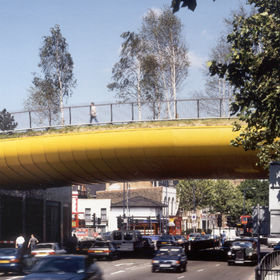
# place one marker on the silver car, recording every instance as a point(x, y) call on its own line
point(46, 249)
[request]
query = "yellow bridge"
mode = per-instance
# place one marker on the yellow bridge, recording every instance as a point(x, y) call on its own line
point(124, 154)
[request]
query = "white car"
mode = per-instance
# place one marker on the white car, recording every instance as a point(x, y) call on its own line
point(46, 249)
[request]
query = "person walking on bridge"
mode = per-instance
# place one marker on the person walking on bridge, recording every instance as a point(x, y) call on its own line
point(93, 114)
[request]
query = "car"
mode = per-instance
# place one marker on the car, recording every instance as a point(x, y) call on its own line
point(14, 260)
point(276, 247)
point(83, 246)
point(242, 251)
point(66, 267)
point(181, 240)
point(45, 249)
point(103, 249)
point(170, 258)
point(193, 235)
point(165, 240)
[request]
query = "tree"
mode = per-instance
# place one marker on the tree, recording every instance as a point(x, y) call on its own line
point(57, 66)
point(191, 4)
point(254, 72)
point(255, 192)
point(7, 121)
point(162, 33)
point(219, 196)
point(127, 73)
point(43, 100)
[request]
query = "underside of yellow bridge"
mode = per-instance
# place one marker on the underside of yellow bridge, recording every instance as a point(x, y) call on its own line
point(53, 160)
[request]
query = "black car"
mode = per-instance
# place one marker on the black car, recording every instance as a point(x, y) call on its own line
point(66, 267)
point(242, 251)
point(103, 249)
point(169, 258)
point(14, 260)
point(166, 240)
point(83, 246)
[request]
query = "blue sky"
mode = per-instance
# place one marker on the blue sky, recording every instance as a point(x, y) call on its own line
point(92, 29)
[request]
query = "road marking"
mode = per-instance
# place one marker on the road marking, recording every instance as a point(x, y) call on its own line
point(200, 270)
point(116, 272)
point(218, 264)
point(131, 268)
point(180, 277)
point(120, 264)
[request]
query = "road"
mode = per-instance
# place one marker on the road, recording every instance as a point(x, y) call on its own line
point(136, 269)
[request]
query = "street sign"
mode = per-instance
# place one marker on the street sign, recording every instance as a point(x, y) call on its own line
point(193, 217)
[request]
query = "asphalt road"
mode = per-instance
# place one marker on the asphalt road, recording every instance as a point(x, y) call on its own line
point(136, 269)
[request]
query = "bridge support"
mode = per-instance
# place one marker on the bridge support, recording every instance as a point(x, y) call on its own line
point(274, 198)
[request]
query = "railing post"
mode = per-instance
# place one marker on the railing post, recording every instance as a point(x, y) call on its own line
point(176, 112)
point(221, 101)
point(197, 108)
point(30, 121)
point(111, 112)
point(132, 112)
point(70, 116)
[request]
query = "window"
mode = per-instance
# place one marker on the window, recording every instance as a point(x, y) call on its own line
point(103, 214)
point(87, 214)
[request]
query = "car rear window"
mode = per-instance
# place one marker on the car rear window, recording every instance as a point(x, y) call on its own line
point(8, 252)
point(100, 244)
point(44, 246)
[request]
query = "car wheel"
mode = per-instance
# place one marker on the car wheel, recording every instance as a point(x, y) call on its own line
point(185, 268)
point(229, 263)
point(153, 269)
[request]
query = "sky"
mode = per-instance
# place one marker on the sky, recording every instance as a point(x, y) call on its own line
point(92, 30)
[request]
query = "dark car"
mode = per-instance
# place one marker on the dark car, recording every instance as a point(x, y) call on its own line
point(180, 240)
point(66, 267)
point(242, 251)
point(14, 260)
point(277, 247)
point(166, 240)
point(103, 249)
point(169, 258)
point(83, 246)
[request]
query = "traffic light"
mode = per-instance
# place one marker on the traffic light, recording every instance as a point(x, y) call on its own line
point(99, 221)
point(219, 220)
point(158, 218)
point(93, 220)
point(149, 221)
point(119, 220)
point(229, 221)
point(250, 222)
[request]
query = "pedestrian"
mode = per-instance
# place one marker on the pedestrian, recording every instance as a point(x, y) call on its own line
point(223, 237)
point(93, 114)
point(20, 241)
point(32, 242)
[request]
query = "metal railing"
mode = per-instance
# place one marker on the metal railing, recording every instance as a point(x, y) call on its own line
point(116, 113)
point(269, 267)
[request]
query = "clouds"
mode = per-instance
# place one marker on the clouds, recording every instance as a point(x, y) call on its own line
point(196, 61)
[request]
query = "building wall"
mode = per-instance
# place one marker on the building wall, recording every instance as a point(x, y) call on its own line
point(169, 197)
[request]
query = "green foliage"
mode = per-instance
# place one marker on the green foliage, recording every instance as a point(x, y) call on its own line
point(255, 192)
point(7, 121)
point(56, 64)
point(219, 196)
point(254, 73)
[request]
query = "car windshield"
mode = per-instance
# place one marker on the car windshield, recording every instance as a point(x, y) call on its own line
point(100, 244)
point(128, 236)
point(168, 252)
point(8, 252)
point(44, 246)
point(178, 237)
point(166, 238)
point(243, 244)
point(60, 265)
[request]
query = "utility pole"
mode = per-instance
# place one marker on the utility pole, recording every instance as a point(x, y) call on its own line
point(258, 232)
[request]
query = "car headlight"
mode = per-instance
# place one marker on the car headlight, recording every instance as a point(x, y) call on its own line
point(229, 253)
point(155, 261)
point(175, 262)
point(250, 254)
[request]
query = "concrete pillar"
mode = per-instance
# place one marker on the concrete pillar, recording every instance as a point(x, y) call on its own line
point(44, 221)
point(23, 214)
point(274, 198)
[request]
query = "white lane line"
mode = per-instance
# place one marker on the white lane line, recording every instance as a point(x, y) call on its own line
point(116, 272)
point(120, 264)
point(200, 270)
point(131, 268)
point(218, 264)
point(180, 277)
